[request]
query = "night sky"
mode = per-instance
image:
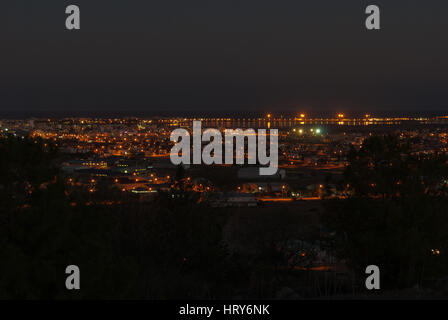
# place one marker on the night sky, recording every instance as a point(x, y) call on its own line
point(147, 57)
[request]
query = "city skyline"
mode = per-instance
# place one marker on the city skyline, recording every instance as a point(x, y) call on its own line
point(384, 180)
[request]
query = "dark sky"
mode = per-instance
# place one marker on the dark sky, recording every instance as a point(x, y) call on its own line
point(225, 56)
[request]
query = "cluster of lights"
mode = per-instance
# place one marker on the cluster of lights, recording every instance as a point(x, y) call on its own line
point(317, 130)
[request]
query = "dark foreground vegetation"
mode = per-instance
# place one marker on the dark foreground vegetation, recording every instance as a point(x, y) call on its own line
point(396, 216)
point(175, 248)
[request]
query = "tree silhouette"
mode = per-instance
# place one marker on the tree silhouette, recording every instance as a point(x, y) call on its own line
point(171, 248)
point(397, 214)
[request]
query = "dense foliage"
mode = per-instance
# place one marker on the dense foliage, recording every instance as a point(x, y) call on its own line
point(168, 249)
point(396, 216)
